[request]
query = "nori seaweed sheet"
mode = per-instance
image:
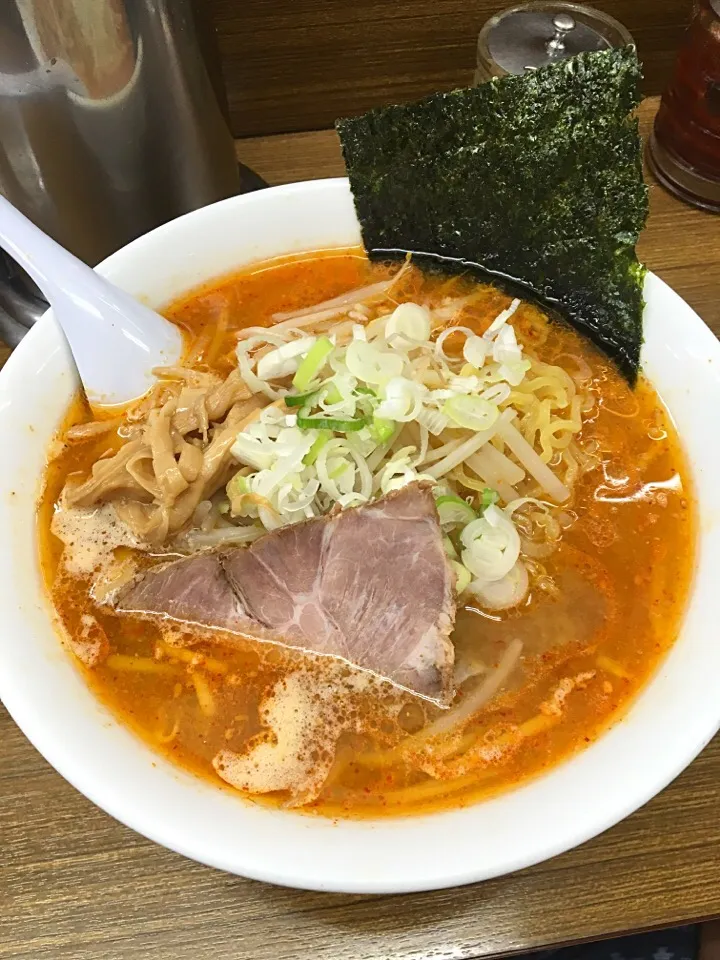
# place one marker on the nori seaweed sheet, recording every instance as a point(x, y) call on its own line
point(537, 179)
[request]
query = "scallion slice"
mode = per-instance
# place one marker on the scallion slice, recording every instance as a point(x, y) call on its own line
point(300, 399)
point(312, 363)
point(488, 497)
point(450, 548)
point(470, 412)
point(463, 576)
point(237, 486)
point(332, 394)
point(320, 441)
point(337, 424)
point(453, 511)
point(382, 430)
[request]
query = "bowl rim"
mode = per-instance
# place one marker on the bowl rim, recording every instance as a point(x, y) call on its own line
point(45, 339)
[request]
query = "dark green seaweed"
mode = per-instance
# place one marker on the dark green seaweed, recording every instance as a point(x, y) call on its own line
point(537, 179)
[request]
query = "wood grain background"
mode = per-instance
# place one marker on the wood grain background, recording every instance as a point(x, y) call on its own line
point(299, 64)
point(77, 885)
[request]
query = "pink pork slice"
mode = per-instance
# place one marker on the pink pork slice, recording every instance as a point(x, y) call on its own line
point(371, 585)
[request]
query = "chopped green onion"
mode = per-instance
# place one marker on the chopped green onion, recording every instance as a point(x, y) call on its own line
point(488, 497)
point(331, 423)
point(313, 363)
point(367, 390)
point(283, 360)
point(338, 470)
point(236, 486)
point(450, 548)
point(410, 320)
point(332, 394)
point(453, 511)
point(463, 576)
point(299, 399)
point(382, 430)
point(471, 412)
point(370, 364)
point(320, 441)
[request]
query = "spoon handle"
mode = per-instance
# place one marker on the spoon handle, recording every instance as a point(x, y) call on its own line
point(56, 271)
point(115, 340)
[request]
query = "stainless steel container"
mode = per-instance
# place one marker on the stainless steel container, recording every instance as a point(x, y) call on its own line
point(109, 126)
point(534, 34)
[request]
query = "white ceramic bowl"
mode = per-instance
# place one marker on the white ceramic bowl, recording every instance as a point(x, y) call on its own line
point(668, 725)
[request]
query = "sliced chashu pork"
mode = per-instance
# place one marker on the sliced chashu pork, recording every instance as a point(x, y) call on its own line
point(371, 585)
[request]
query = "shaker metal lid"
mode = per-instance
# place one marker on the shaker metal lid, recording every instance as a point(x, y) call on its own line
point(535, 34)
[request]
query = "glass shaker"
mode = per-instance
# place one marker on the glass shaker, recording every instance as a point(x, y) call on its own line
point(684, 148)
point(534, 34)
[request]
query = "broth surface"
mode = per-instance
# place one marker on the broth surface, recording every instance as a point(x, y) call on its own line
point(603, 610)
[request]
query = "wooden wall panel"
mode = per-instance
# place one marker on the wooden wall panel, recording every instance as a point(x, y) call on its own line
point(299, 64)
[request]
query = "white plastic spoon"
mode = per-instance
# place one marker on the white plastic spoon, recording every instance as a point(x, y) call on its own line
point(115, 340)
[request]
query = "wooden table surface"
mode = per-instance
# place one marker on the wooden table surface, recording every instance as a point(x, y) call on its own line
point(76, 885)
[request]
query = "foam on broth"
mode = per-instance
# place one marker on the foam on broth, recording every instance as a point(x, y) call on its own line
point(602, 613)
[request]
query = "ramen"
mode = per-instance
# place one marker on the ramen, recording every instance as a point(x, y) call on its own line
point(387, 541)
